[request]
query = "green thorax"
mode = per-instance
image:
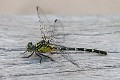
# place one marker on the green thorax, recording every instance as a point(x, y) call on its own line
point(43, 47)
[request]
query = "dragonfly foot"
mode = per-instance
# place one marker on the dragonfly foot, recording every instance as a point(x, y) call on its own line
point(28, 56)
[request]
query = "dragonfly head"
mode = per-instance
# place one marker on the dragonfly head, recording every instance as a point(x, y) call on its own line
point(30, 47)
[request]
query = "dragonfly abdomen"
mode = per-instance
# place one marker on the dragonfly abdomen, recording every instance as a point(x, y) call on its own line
point(84, 49)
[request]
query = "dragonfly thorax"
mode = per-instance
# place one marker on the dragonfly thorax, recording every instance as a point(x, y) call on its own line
point(43, 46)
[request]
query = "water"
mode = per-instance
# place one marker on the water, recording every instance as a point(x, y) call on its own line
point(99, 32)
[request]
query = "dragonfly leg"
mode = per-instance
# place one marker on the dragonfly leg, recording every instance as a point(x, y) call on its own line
point(39, 56)
point(47, 57)
point(54, 53)
point(23, 52)
point(29, 55)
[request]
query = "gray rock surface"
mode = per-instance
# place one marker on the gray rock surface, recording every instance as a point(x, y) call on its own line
point(99, 32)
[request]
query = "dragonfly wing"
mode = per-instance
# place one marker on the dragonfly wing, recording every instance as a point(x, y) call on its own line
point(54, 33)
point(58, 33)
point(69, 58)
point(45, 27)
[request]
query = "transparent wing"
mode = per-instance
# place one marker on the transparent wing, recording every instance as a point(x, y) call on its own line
point(45, 27)
point(69, 58)
point(58, 36)
point(54, 33)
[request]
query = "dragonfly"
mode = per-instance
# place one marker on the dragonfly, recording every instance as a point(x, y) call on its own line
point(49, 44)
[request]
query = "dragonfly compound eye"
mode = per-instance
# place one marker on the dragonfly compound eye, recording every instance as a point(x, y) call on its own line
point(30, 46)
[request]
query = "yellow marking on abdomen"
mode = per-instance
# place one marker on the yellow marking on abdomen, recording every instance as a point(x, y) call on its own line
point(76, 49)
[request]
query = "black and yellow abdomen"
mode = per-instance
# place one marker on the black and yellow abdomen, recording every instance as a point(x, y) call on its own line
point(84, 49)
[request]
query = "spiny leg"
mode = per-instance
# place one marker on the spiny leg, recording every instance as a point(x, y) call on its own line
point(47, 57)
point(28, 56)
point(39, 56)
